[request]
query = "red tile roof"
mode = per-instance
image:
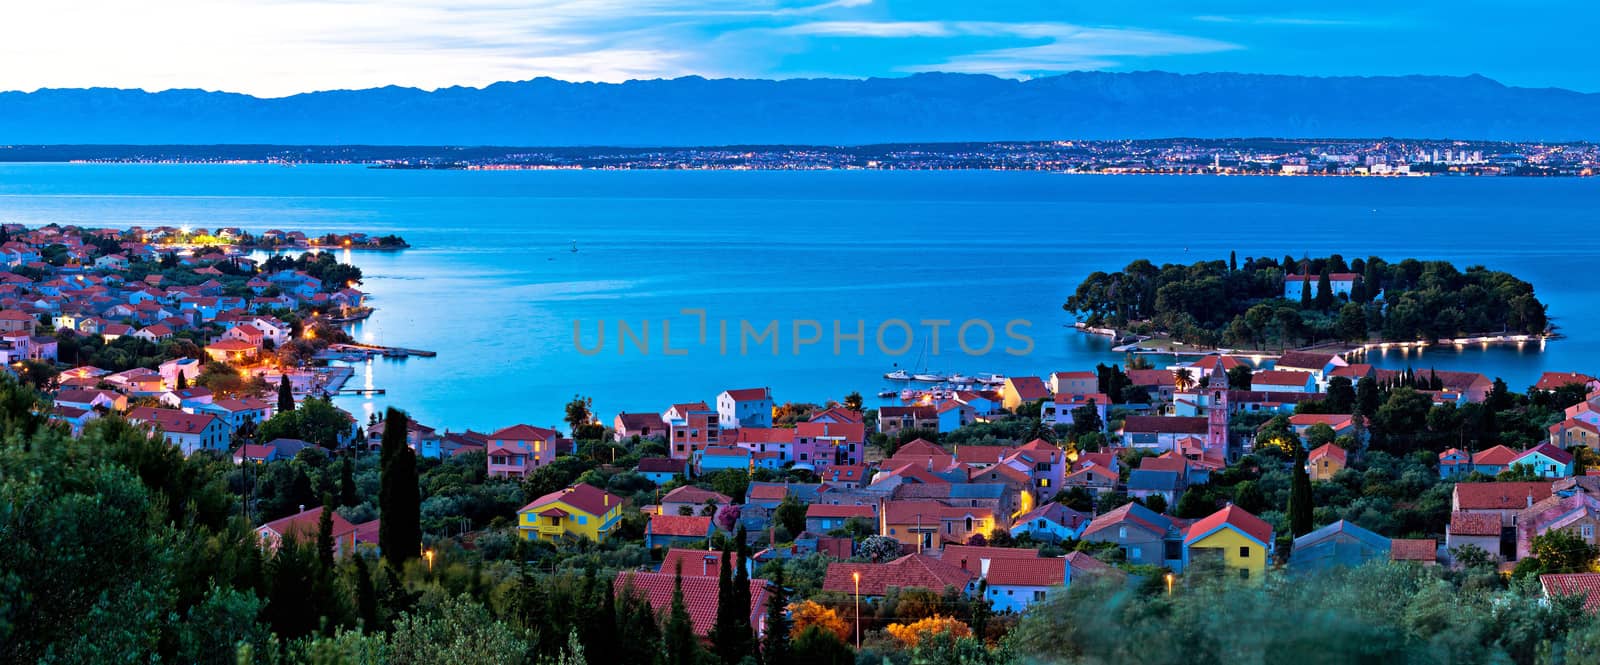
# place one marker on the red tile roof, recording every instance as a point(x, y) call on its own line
point(583, 496)
point(172, 421)
point(699, 595)
point(1474, 524)
point(1496, 456)
point(1500, 496)
point(1413, 549)
point(767, 493)
point(1279, 378)
point(1027, 572)
point(303, 526)
point(702, 563)
point(750, 394)
point(970, 558)
point(1028, 388)
point(911, 571)
point(766, 435)
point(1165, 424)
point(1557, 455)
point(1235, 517)
point(823, 510)
point(524, 433)
point(1328, 450)
point(1564, 584)
point(683, 526)
point(1555, 380)
point(695, 495)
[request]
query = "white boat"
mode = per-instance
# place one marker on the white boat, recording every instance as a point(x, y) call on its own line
point(898, 375)
point(991, 379)
point(887, 393)
point(958, 379)
point(928, 378)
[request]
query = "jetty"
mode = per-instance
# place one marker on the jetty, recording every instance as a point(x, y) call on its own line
point(363, 351)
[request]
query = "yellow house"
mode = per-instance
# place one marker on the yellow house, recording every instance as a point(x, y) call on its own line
point(579, 511)
point(1019, 390)
point(1230, 541)
point(1325, 461)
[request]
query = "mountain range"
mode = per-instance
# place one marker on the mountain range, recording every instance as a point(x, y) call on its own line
point(924, 107)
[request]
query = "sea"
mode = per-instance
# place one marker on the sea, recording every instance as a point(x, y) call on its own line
point(811, 283)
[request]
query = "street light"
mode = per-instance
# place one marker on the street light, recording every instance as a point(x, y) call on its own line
point(857, 576)
point(429, 556)
point(1169, 584)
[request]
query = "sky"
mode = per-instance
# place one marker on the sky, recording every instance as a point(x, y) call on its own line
point(273, 48)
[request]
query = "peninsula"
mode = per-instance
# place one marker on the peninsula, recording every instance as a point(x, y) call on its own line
point(1267, 304)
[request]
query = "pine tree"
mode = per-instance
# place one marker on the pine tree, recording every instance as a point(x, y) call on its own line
point(399, 498)
point(290, 610)
point(775, 647)
point(1300, 495)
point(602, 644)
point(285, 395)
point(681, 648)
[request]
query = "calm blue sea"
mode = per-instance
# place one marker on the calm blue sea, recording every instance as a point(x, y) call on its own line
point(494, 286)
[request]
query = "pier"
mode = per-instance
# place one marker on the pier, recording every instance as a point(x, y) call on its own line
point(363, 351)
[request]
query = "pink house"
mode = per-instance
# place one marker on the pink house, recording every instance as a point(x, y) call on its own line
point(517, 450)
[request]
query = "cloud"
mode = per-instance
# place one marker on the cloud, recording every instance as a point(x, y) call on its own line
point(1064, 46)
point(1275, 20)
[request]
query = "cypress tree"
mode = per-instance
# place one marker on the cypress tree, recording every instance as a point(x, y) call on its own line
point(724, 637)
point(1305, 291)
point(183, 380)
point(1233, 261)
point(325, 536)
point(602, 647)
point(1324, 290)
point(744, 633)
point(775, 647)
point(285, 395)
point(399, 499)
point(347, 482)
point(1300, 495)
point(366, 596)
point(681, 648)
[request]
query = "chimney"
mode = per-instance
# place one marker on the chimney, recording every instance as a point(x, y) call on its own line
point(303, 506)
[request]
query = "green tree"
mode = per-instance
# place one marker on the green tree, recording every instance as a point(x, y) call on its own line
point(854, 401)
point(1300, 507)
point(1352, 322)
point(681, 646)
point(399, 496)
point(791, 514)
point(455, 630)
point(285, 395)
point(1239, 377)
point(1341, 395)
point(775, 647)
point(580, 411)
point(1324, 290)
point(347, 481)
point(821, 646)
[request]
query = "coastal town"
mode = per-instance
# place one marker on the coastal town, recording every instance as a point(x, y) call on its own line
point(1382, 157)
point(747, 518)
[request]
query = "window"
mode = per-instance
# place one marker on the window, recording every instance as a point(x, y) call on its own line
point(969, 523)
point(1122, 532)
point(1009, 592)
point(1244, 573)
point(1588, 531)
point(1134, 554)
point(1038, 596)
point(1244, 552)
point(582, 519)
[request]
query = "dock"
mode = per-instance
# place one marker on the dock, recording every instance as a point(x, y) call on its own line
point(361, 351)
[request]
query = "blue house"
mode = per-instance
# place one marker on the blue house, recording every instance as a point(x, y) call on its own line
point(1339, 544)
point(1052, 523)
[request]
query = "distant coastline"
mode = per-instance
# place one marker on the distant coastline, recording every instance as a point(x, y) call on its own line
point(1374, 157)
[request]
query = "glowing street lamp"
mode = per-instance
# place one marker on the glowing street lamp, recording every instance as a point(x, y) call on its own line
point(1169, 584)
point(857, 576)
point(428, 555)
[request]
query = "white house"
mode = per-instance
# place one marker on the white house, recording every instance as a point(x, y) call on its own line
point(747, 407)
point(1339, 283)
point(188, 431)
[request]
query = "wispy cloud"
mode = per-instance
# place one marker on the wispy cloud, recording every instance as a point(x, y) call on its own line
point(1062, 47)
point(1275, 20)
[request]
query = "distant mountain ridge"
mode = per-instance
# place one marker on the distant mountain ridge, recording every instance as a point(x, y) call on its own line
point(924, 107)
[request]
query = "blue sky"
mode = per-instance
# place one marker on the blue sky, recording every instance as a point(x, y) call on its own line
point(280, 47)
